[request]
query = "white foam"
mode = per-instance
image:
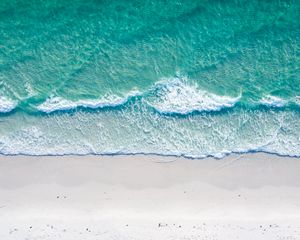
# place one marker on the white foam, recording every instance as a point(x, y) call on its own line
point(297, 100)
point(29, 89)
point(6, 105)
point(273, 101)
point(58, 103)
point(176, 96)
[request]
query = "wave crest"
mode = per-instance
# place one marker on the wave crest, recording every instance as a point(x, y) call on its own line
point(7, 105)
point(176, 96)
point(297, 100)
point(272, 101)
point(173, 95)
point(58, 103)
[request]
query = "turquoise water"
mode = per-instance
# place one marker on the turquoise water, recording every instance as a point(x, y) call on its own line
point(191, 78)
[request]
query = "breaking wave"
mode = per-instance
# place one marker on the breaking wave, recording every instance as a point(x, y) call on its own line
point(176, 96)
point(173, 95)
point(7, 105)
point(53, 104)
point(272, 101)
point(168, 96)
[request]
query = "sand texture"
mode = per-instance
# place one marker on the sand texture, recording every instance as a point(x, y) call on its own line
point(251, 196)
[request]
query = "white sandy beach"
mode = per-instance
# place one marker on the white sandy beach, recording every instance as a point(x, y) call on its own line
point(251, 196)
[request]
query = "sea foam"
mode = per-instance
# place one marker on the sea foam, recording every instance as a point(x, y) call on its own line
point(59, 104)
point(297, 100)
point(6, 105)
point(198, 136)
point(273, 101)
point(175, 95)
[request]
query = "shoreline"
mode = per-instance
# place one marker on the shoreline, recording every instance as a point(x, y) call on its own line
point(221, 156)
point(242, 196)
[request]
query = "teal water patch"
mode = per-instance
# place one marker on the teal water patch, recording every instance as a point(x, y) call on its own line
point(189, 68)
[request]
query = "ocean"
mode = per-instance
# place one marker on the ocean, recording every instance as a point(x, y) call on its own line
point(183, 78)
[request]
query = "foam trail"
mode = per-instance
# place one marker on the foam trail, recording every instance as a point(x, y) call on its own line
point(6, 105)
point(176, 96)
point(272, 101)
point(167, 96)
point(58, 104)
point(297, 100)
point(137, 129)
